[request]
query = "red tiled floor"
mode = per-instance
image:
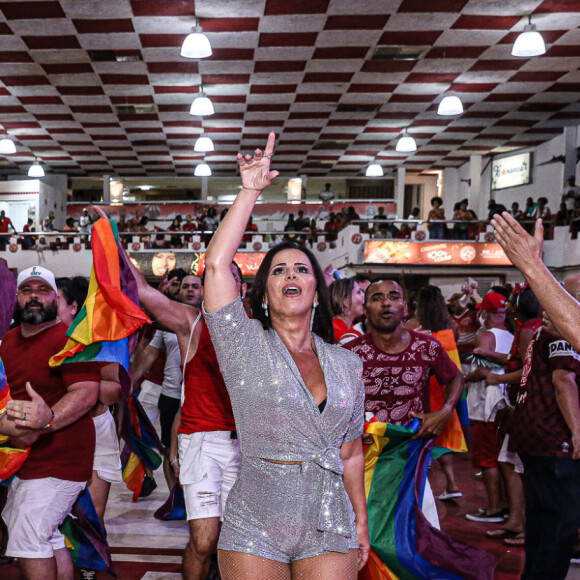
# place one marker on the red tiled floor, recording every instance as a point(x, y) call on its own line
point(452, 517)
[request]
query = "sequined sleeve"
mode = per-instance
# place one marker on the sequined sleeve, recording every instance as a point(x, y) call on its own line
point(356, 423)
point(235, 337)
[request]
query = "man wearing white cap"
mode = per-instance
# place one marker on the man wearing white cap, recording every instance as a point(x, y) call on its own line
point(49, 413)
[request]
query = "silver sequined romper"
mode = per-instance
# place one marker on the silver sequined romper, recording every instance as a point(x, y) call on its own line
point(286, 512)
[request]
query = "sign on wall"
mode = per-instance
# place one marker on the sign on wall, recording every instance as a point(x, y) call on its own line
point(445, 253)
point(511, 171)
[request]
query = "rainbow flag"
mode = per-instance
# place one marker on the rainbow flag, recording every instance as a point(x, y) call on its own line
point(104, 329)
point(85, 537)
point(174, 506)
point(404, 545)
point(452, 438)
point(11, 458)
point(7, 297)
point(141, 440)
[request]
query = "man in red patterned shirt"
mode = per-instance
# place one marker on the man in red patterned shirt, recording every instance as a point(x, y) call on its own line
point(546, 434)
point(397, 364)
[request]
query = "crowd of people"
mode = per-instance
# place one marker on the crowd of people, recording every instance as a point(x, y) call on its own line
point(262, 395)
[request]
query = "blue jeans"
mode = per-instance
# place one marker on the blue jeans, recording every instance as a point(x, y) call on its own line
point(436, 231)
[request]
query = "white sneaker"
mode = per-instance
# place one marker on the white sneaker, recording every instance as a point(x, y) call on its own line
point(450, 495)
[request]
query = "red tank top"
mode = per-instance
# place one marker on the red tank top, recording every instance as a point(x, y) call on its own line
point(207, 405)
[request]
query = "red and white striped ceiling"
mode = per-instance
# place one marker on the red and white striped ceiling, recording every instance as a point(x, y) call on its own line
point(93, 87)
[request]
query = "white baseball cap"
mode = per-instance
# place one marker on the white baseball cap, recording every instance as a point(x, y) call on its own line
point(38, 273)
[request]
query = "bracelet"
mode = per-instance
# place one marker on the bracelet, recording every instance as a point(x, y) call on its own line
point(49, 424)
point(176, 460)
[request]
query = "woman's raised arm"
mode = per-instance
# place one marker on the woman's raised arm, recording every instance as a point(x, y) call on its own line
point(219, 286)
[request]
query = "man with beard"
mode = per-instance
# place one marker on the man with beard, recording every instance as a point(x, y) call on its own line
point(49, 413)
point(397, 365)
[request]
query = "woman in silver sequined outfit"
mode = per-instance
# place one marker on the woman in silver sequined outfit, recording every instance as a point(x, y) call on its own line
point(297, 509)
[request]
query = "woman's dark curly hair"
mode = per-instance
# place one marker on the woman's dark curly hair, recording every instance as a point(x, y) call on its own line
point(322, 324)
point(432, 310)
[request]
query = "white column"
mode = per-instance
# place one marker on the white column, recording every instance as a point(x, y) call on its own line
point(400, 193)
point(204, 188)
point(477, 199)
point(569, 153)
point(106, 188)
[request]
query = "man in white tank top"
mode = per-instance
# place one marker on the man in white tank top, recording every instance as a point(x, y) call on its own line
point(492, 346)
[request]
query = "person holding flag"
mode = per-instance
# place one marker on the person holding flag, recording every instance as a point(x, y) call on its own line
point(50, 414)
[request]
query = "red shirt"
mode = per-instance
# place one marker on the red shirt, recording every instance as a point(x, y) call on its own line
point(207, 405)
point(340, 328)
point(514, 360)
point(398, 384)
point(539, 427)
point(66, 453)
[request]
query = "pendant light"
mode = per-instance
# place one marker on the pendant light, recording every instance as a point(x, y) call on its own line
point(7, 146)
point(36, 170)
point(203, 144)
point(196, 44)
point(529, 42)
point(202, 170)
point(201, 106)
point(406, 144)
point(450, 105)
point(374, 170)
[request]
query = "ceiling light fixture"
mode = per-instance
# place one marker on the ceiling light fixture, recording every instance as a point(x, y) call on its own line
point(450, 105)
point(529, 42)
point(202, 170)
point(201, 106)
point(36, 170)
point(7, 146)
point(196, 44)
point(374, 170)
point(203, 144)
point(406, 144)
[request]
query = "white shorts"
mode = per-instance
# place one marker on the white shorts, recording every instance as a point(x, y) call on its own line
point(107, 461)
point(149, 399)
point(34, 510)
point(208, 467)
point(512, 457)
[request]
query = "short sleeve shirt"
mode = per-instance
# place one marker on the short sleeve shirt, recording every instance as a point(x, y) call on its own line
point(539, 426)
point(172, 376)
point(397, 385)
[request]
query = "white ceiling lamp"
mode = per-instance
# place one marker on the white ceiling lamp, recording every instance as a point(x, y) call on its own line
point(201, 106)
point(36, 170)
point(7, 146)
point(196, 44)
point(203, 144)
point(450, 105)
point(529, 42)
point(374, 170)
point(406, 144)
point(202, 170)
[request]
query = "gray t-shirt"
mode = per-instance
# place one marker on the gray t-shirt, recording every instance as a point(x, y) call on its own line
point(172, 376)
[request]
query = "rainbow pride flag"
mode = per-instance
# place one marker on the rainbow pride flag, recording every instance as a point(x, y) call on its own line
point(104, 329)
point(85, 537)
point(452, 438)
point(11, 458)
point(7, 297)
point(404, 546)
point(141, 440)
